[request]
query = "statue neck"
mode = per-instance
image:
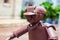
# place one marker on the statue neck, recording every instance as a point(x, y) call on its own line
point(34, 24)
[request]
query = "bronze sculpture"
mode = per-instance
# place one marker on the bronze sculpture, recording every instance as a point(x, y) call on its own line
point(35, 29)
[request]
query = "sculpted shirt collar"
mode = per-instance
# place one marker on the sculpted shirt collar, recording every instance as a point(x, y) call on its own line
point(35, 26)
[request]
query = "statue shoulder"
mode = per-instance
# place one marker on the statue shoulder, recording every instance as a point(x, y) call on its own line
point(47, 25)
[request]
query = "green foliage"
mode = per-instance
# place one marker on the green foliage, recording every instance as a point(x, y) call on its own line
point(52, 12)
point(22, 12)
point(57, 8)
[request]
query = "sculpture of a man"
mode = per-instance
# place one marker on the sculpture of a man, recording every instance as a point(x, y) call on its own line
point(35, 29)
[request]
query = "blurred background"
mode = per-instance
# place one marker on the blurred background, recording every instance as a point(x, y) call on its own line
point(12, 18)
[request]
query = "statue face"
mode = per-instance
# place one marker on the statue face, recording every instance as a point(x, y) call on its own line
point(31, 18)
point(39, 13)
point(34, 18)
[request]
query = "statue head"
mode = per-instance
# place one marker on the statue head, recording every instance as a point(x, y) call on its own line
point(35, 16)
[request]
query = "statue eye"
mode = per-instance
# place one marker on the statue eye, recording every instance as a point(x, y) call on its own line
point(31, 16)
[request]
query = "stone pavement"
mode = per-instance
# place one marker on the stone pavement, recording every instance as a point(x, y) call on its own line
point(8, 26)
point(5, 32)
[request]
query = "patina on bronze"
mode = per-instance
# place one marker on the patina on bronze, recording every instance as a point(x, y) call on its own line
point(35, 29)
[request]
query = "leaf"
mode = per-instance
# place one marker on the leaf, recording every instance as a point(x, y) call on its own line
point(51, 12)
point(22, 12)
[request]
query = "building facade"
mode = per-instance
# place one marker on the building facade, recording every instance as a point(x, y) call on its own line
point(10, 9)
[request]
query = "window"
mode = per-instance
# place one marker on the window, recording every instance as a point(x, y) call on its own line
point(6, 1)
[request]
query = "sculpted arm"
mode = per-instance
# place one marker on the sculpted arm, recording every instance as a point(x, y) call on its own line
point(18, 33)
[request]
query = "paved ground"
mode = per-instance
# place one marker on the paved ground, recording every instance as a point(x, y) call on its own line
point(8, 26)
point(5, 32)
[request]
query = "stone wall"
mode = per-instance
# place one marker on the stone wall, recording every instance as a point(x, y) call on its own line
point(10, 9)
